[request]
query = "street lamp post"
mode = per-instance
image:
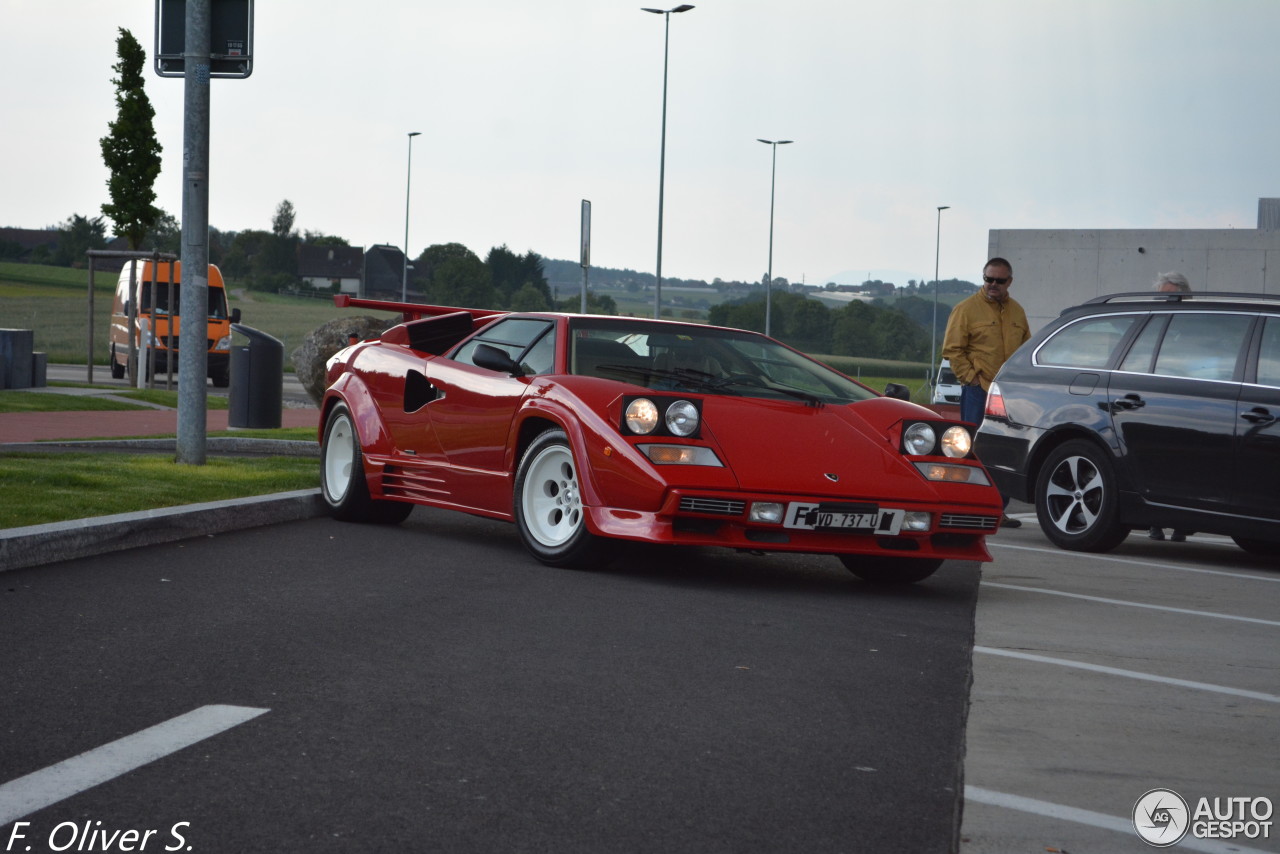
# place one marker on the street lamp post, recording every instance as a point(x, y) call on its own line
point(408, 175)
point(933, 332)
point(768, 285)
point(662, 157)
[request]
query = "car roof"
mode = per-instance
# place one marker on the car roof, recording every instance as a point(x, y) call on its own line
point(1178, 299)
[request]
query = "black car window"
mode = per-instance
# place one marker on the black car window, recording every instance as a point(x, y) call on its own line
point(1087, 343)
point(1269, 353)
point(1143, 350)
point(1202, 346)
point(525, 340)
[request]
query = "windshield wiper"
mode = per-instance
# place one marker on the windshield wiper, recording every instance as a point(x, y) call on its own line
point(809, 398)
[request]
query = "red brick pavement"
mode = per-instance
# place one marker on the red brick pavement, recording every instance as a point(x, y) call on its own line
point(34, 426)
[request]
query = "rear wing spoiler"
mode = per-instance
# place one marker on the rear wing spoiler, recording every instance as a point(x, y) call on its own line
point(412, 310)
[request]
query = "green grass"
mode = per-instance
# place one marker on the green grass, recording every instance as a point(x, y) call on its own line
point(34, 401)
point(26, 401)
point(40, 488)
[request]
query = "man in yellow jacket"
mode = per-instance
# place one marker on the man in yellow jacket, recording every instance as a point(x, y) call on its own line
point(982, 332)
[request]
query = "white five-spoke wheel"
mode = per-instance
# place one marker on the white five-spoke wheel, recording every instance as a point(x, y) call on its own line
point(548, 504)
point(339, 455)
point(342, 478)
point(551, 497)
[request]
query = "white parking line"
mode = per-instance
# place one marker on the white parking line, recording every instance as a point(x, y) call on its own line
point(1048, 592)
point(1091, 557)
point(39, 789)
point(1093, 819)
point(1131, 674)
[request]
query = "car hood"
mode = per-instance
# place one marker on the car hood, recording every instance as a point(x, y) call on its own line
point(838, 451)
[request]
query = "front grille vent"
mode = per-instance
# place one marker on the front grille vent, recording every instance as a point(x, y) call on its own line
point(960, 520)
point(714, 506)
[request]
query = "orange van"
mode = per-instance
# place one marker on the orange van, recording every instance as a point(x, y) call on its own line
point(153, 321)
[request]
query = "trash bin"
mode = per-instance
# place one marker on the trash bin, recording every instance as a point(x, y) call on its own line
point(257, 380)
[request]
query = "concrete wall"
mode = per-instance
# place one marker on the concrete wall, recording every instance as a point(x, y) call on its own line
point(1055, 269)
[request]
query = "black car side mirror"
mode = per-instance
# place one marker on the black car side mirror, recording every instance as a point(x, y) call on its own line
point(491, 358)
point(235, 315)
point(897, 390)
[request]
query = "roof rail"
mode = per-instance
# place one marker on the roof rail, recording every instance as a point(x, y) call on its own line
point(1187, 296)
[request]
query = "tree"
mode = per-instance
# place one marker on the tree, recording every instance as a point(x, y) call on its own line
point(282, 222)
point(130, 150)
point(76, 236)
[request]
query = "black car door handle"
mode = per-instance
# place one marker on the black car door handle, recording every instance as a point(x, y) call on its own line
point(1129, 401)
point(1258, 415)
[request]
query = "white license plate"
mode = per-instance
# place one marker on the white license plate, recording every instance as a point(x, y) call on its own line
point(812, 517)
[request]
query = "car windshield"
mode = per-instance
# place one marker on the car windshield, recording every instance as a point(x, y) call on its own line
point(164, 293)
point(704, 360)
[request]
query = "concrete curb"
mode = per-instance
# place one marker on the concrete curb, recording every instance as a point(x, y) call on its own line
point(36, 545)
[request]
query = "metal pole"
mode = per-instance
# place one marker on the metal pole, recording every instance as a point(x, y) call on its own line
point(768, 285)
point(662, 155)
point(89, 362)
point(408, 175)
point(933, 332)
point(662, 165)
point(193, 346)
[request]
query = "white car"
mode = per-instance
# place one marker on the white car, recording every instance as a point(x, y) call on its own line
point(946, 388)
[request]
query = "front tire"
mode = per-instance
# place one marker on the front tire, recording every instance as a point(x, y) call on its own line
point(548, 505)
point(342, 480)
point(878, 569)
point(1078, 499)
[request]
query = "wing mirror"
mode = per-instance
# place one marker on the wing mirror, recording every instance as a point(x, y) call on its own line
point(491, 358)
point(897, 390)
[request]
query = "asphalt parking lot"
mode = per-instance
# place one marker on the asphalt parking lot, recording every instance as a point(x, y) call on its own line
point(1098, 678)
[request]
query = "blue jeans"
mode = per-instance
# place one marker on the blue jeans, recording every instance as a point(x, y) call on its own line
point(973, 404)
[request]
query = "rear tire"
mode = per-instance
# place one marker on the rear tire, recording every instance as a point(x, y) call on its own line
point(342, 479)
point(1262, 548)
point(878, 569)
point(117, 369)
point(1078, 499)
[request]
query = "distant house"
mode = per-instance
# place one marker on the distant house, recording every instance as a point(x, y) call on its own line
point(383, 272)
point(323, 267)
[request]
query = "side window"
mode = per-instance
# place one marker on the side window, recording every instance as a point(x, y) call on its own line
point(529, 342)
point(1144, 349)
point(1269, 354)
point(1086, 344)
point(1202, 346)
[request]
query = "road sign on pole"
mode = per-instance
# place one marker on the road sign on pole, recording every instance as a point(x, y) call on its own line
point(230, 38)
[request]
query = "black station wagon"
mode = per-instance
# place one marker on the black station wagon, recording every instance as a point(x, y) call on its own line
point(1144, 409)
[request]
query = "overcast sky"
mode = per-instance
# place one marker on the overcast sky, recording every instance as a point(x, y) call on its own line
point(1016, 113)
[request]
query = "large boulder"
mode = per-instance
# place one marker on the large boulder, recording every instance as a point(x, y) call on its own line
point(322, 342)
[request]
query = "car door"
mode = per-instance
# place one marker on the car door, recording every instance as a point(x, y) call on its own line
point(1257, 468)
point(473, 407)
point(1173, 407)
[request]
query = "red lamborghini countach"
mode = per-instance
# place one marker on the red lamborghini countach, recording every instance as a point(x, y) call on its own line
point(585, 430)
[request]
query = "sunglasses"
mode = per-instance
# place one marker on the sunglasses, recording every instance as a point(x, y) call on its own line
point(992, 280)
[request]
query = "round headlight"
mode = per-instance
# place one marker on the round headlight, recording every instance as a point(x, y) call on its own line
point(682, 418)
point(919, 439)
point(642, 416)
point(956, 442)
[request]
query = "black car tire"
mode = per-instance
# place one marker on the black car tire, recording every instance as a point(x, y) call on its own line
point(1078, 499)
point(117, 369)
point(878, 569)
point(1263, 548)
point(548, 505)
point(342, 479)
